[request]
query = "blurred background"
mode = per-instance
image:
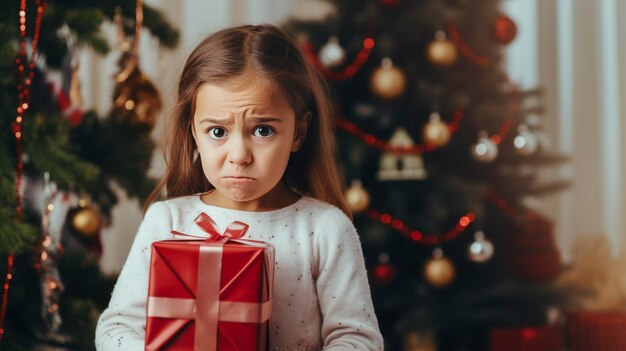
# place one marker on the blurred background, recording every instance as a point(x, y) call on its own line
point(480, 142)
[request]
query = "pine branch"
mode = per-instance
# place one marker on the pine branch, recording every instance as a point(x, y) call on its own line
point(550, 188)
point(542, 158)
point(52, 153)
point(68, 170)
point(160, 28)
point(16, 237)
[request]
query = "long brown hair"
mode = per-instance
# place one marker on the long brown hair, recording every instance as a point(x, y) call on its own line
point(274, 58)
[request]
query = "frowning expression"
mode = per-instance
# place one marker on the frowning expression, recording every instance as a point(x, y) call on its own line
point(244, 137)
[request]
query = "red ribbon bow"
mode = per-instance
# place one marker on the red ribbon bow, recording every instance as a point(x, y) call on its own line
point(235, 230)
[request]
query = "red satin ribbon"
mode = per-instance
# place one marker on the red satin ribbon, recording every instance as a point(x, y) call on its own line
point(208, 310)
point(235, 230)
point(239, 312)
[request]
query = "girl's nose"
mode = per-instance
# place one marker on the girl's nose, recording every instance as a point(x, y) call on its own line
point(238, 150)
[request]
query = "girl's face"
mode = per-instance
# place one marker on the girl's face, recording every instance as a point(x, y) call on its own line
point(244, 138)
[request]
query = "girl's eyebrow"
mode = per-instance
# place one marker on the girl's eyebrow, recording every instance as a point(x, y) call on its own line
point(230, 121)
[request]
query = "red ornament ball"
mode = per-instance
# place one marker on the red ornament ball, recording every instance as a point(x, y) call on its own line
point(504, 29)
point(384, 273)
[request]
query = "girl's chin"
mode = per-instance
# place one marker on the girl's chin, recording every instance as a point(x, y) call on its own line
point(240, 194)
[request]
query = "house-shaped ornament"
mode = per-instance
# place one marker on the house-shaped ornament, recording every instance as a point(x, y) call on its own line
point(393, 166)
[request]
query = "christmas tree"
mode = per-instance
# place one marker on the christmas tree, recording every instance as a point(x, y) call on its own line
point(60, 164)
point(441, 153)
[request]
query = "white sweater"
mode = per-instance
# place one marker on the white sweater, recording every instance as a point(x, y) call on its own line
point(322, 298)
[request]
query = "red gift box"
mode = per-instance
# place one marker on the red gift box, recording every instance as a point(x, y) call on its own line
point(541, 338)
point(596, 331)
point(531, 254)
point(211, 294)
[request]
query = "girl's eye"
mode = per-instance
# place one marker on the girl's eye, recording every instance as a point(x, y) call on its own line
point(264, 131)
point(216, 133)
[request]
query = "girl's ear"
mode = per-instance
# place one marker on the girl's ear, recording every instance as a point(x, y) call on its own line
point(195, 137)
point(193, 132)
point(196, 153)
point(301, 130)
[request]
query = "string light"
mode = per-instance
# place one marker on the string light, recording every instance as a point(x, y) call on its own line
point(23, 88)
point(347, 72)
point(5, 292)
point(49, 249)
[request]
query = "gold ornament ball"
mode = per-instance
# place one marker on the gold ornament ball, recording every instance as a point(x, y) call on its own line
point(86, 222)
point(388, 81)
point(442, 52)
point(436, 132)
point(357, 197)
point(419, 341)
point(137, 101)
point(439, 272)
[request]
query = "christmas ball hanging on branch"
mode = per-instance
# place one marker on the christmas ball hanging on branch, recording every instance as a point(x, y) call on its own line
point(420, 340)
point(85, 221)
point(357, 197)
point(384, 272)
point(484, 150)
point(481, 250)
point(135, 99)
point(439, 271)
point(526, 143)
point(388, 82)
point(332, 54)
point(436, 131)
point(504, 29)
point(441, 51)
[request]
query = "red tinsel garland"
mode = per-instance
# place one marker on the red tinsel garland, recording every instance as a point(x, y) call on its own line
point(24, 100)
point(369, 139)
point(465, 50)
point(350, 70)
point(416, 235)
point(373, 141)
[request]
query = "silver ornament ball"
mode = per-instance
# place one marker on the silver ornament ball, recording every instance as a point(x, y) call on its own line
point(481, 250)
point(526, 143)
point(332, 54)
point(484, 150)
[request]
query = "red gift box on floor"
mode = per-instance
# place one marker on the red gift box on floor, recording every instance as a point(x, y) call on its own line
point(596, 331)
point(541, 338)
point(211, 294)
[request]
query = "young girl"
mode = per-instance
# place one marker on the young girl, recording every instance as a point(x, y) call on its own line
point(251, 140)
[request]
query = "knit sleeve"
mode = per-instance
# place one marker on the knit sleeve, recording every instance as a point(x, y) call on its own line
point(349, 321)
point(121, 325)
